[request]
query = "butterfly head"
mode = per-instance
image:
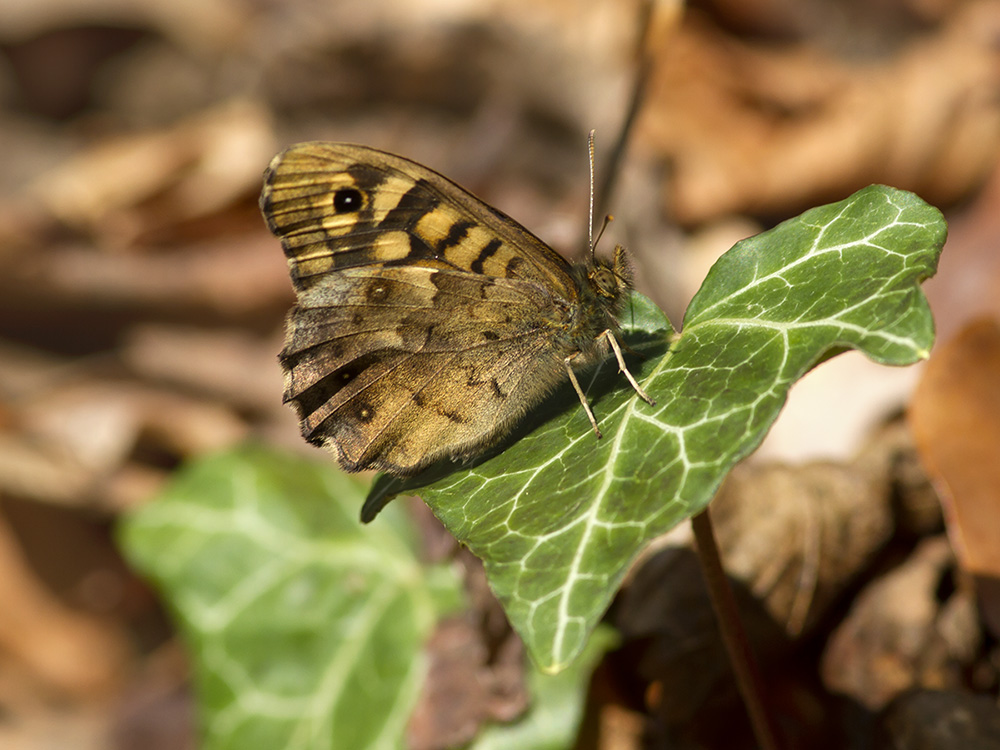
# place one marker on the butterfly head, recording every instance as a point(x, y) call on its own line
point(611, 281)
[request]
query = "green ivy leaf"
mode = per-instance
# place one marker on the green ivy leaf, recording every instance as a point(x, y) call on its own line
point(306, 628)
point(558, 517)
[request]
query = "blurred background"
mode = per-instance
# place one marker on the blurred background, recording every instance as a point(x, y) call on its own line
point(142, 299)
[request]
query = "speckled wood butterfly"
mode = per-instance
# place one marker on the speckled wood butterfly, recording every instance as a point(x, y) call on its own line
point(427, 323)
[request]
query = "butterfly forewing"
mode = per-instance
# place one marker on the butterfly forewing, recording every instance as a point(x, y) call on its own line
point(409, 214)
point(427, 322)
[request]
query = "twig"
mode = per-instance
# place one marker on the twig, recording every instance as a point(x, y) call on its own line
point(643, 65)
point(734, 636)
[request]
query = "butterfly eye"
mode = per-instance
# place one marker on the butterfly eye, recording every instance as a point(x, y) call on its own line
point(347, 200)
point(605, 282)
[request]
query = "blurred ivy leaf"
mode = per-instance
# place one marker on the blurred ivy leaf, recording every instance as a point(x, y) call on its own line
point(306, 629)
point(558, 517)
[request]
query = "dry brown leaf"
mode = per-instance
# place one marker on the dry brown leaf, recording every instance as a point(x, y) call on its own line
point(72, 443)
point(232, 278)
point(899, 636)
point(33, 723)
point(465, 687)
point(890, 449)
point(750, 129)
point(128, 186)
point(231, 366)
point(73, 654)
point(205, 24)
point(32, 470)
point(798, 536)
point(955, 416)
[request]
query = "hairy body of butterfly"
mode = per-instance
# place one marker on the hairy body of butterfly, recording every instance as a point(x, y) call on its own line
point(427, 323)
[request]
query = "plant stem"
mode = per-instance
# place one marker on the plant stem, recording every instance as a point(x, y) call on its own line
point(734, 636)
point(604, 193)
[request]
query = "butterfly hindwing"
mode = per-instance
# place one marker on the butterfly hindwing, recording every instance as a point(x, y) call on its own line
point(386, 383)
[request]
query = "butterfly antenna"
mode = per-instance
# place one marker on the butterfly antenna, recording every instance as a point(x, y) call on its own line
point(608, 217)
point(590, 225)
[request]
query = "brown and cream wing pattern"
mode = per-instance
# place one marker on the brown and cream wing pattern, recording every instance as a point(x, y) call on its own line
point(426, 323)
point(406, 214)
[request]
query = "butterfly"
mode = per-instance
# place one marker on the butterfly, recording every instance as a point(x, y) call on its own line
point(427, 322)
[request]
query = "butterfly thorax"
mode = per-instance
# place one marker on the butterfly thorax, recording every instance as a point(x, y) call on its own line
point(602, 287)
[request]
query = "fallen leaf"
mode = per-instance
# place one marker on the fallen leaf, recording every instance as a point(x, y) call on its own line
point(753, 127)
point(899, 635)
point(955, 416)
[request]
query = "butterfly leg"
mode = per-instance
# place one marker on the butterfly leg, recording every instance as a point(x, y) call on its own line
point(623, 369)
point(579, 392)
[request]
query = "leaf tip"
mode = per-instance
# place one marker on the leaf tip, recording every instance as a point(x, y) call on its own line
point(554, 668)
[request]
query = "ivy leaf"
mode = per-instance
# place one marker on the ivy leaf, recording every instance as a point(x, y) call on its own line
point(558, 516)
point(306, 629)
